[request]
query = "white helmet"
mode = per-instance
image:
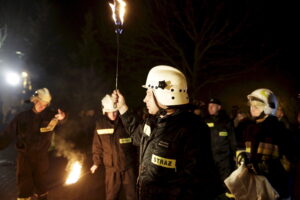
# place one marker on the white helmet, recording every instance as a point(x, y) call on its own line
point(42, 94)
point(267, 97)
point(168, 84)
point(108, 104)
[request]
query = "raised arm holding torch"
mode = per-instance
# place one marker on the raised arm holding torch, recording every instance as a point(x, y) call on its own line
point(118, 12)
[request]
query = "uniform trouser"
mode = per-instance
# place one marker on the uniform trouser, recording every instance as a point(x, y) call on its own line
point(115, 181)
point(32, 174)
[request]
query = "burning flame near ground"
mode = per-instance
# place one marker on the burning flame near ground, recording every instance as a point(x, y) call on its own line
point(74, 173)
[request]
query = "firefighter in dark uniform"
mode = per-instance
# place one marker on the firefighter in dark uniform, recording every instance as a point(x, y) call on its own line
point(266, 142)
point(33, 130)
point(175, 156)
point(223, 142)
point(113, 149)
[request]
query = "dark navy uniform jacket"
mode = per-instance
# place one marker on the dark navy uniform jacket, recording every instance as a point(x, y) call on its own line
point(175, 156)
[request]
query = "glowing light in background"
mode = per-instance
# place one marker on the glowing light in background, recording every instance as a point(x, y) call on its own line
point(24, 74)
point(12, 78)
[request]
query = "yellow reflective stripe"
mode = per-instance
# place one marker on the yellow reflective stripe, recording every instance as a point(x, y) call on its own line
point(237, 152)
point(163, 162)
point(147, 129)
point(265, 148)
point(248, 147)
point(210, 124)
point(229, 195)
point(286, 163)
point(125, 140)
point(223, 133)
point(105, 131)
point(268, 149)
point(50, 126)
point(275, 152)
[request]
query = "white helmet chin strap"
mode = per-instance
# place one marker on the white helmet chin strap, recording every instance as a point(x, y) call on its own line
point(161, 111)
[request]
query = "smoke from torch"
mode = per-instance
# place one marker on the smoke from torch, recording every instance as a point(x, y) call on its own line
point(118, 12)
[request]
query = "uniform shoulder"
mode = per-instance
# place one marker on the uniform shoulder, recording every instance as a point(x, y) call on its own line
point(24, 113)
point(101, 118)
point(193, 120)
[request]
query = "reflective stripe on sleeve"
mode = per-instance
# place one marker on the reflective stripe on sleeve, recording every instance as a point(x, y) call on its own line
point(125, 140)
point(50, 126)
point(210, 124)
point(248, 147)
point(105, 131)
point(223, 133)
point(268, 149)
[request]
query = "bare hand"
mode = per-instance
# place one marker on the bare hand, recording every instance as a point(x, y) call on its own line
point(119, 100)
point(94, 168)
point(60, 115)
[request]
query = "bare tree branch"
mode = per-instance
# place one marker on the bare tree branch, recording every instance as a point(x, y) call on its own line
point(3, 35)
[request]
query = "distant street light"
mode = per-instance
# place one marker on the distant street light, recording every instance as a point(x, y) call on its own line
point(24, 74)
point(26, 82)
point(12, 78)
point(20, 54)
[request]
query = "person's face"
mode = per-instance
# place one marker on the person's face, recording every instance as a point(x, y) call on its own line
point(197, 111)
point(112, 115)
point(150, 102)
point(279, 113)
point(256, 108)
point(39, 106)
point(213, 109)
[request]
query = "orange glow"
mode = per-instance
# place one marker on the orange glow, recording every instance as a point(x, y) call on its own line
point(74, 173)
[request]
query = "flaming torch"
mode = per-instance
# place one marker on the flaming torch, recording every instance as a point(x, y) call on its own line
point(74, 174)
point(118, 12)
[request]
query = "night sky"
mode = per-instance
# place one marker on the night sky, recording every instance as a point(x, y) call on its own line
point(67, 40)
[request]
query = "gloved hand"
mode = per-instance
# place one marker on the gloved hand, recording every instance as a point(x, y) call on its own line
point(94, 168)
point(119, 100)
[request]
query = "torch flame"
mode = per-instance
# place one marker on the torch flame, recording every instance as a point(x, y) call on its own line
point(74, 174)
point(118, 10)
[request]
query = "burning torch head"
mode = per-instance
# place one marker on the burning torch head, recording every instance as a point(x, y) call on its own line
point(118, 12)
point(168, 84)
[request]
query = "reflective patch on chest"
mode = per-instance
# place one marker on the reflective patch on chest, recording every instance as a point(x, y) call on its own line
point(248, 146)
point(223, 133)
point(163, 144)
point(50, 126)
point(147, 129)
point(210, 124)
point(163, 162)
point(105, 131)
point(125, 140)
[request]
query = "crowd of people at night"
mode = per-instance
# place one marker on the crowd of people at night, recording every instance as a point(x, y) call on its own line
point(174, 149)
